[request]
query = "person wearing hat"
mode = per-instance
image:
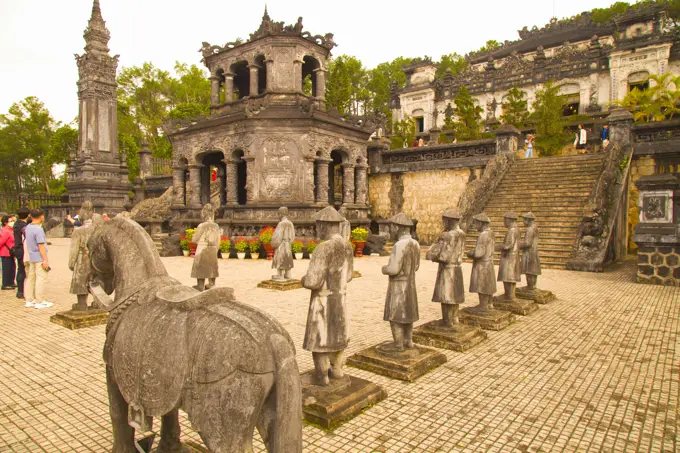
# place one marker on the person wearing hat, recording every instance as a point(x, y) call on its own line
point(401, 303)
point(531, 263)
point(329, 271)
point(283, 237)
point(207, 237)
point(482, 280)
point(449, 289)
point(509, 268)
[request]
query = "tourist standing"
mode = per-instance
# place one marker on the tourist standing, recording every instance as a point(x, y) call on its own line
point(529, 153)
point(19, 227)
point(38, 265)
point(7, 253)
point(421, 142)
point(581, 138)
point(604, 135)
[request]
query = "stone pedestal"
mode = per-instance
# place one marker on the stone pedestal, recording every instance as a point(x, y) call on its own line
point(406, 365)
point(458, 338)
point(76, 319)
point(280, 285)
point(517, 306)
point(539, 296)
point(342, 400)
point(486, 319)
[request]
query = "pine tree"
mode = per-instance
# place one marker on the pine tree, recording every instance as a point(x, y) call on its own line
point(550, 134)
point(468, 123)
point(514, 107)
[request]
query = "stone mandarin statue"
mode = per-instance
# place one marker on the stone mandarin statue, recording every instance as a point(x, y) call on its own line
point(401, 304)
point(283, 237)
point(482, 280)
point(229, 366)
point(330, 269)
point(207, 237)
point(531, 263)
point(449, 289)
point(79, 258)
point(509, 267)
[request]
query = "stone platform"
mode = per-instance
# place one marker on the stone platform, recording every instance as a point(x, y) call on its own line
point(330, 406)
point(487, 320)
point(460, 338)
point(280, 285)
point(539, 296)
point(80, 319)
point(406, 365)
point(517, 306)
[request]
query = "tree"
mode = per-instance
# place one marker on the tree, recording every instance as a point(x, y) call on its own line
point(514, 108)
point(468, 116)
point(657, 103)
point(490, 45)
point(380, 82)
point(550, 133)
point(404, 131)
point(602, 15)
point(346, 89)
point(456, 63)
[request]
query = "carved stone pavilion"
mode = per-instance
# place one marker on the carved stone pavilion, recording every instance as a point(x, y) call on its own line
point(271, 142)
point(97, 171)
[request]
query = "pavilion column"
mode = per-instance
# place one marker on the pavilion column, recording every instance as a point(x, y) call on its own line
point(232, 181)
point(251, 180)
point(361, 184)
point(322, 180)
point(178, 185)
point(297, 76)
point(308, 183)
point(214, 91)
point(195, 185)
point(222, 179)
point(254, 79)
point(269, 68)
point(320, 84)
point(228, 87)
point(347, 184)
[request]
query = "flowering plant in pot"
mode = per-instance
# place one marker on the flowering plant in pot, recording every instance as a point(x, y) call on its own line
point(254, 246)
point(225, 247)
point(241, 246)
point(311, 246)
point(190, 237)
point(265, 239)
point(359, 236)
point(297, 246)
point(184, 245)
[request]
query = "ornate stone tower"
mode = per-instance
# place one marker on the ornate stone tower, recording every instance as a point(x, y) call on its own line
point(270, 138)
point(98, 171)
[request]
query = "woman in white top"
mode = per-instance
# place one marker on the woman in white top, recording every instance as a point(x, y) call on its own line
point(529, 142)
point(581, 138)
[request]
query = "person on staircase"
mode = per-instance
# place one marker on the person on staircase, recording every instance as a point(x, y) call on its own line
point(581, 139)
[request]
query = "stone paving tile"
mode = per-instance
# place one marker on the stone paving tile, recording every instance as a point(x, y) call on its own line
point(597, 370)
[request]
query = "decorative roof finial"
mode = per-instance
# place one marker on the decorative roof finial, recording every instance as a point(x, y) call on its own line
point(96, 11)
point(266, 14)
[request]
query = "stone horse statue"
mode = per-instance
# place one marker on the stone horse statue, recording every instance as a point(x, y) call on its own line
point(229, 366)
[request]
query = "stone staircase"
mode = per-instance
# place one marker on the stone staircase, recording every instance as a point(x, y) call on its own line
point(555, 190)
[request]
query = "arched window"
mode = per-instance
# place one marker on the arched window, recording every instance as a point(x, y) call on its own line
point(335, 178)
point(571, 99)
point(261, 74)
point(241, 177)
point(639, 80)
point(241, 79)
point(309, 85)
point(212, 178)
point(184, 164)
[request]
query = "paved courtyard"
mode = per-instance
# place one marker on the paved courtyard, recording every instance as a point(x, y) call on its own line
point(597, 370)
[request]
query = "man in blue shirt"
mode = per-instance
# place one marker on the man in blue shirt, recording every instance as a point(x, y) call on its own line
point(37, 265)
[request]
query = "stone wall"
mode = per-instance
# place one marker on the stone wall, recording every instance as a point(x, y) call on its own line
point(642, 166)
point(659, 265)
point(424, 194)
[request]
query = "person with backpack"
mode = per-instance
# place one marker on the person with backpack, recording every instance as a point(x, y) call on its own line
point(19, 227)
point(7, 253)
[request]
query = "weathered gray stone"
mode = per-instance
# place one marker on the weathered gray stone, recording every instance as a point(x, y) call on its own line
point(283, 237)
point(406, 365)
point(228, 365)
point(207, 237)
point(170, 246)
point(482, 279)
point(459, 337)
point(79, 259)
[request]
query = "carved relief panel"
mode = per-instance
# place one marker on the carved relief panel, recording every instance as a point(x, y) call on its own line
point(279, 171)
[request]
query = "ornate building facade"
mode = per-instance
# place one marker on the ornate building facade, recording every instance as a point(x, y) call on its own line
point(594, 64)
point(98, 171)
point(270, 143)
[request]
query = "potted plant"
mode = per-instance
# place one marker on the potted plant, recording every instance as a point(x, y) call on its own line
point(184, 244)
point(359, 236)
point(266, 240)
point(241, 246)
point(225, 247)
point(311, 245)
point(296, 246)
point(254, 246)
point(190, 236)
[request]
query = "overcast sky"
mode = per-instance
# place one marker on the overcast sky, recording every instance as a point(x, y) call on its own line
point(39, 37)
